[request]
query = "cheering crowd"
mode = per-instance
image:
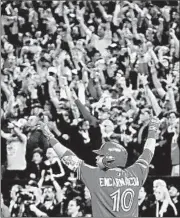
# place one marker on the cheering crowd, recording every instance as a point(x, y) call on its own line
point(156, 199)
point(93, 71)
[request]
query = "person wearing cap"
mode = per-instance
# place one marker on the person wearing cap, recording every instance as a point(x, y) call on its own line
point(16, 143)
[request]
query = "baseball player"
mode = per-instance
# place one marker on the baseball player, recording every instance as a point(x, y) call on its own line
point(114, 188)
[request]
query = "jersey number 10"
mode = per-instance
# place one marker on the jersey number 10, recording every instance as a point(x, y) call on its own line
point(124, 200)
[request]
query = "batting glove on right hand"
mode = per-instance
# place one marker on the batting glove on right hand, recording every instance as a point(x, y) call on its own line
point(45, 130)
point(153, 127)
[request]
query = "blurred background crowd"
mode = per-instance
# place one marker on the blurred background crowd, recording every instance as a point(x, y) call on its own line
point(159, 197)
point(93, 71)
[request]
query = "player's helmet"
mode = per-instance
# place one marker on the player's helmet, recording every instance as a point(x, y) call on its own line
point(115, 155)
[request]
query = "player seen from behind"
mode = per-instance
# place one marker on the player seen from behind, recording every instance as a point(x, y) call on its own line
point(114, 188)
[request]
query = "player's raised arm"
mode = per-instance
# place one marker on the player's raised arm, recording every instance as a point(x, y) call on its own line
point(65, 154)
point(141, 166)
point(150, 143)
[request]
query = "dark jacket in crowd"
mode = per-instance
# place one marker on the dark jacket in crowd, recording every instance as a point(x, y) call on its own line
point(152, 211)
point(36, 169)
point(36, 139)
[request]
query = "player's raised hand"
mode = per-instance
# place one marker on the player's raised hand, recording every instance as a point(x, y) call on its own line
point(154, 123)
point(153, 127)
point(45, 129)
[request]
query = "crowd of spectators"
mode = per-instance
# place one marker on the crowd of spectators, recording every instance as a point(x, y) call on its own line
point(157, 198)
point(93, 71)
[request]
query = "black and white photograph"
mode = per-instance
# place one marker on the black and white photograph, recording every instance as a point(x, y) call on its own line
point(90, 108)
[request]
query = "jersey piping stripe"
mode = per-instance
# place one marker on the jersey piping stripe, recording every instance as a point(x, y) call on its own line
point(142, 165)
point(141, 160)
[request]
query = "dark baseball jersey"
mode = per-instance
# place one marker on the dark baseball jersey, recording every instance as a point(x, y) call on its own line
point(114, 192)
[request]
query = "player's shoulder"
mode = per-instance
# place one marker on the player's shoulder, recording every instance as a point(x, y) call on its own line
point(138, 169)
point(87, 171)
point(89, 166)
point(131, 170)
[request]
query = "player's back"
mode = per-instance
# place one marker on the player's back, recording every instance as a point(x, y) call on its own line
point(115, 193)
